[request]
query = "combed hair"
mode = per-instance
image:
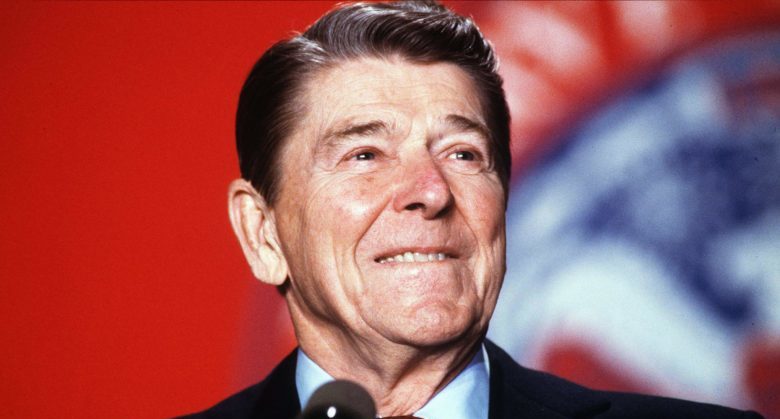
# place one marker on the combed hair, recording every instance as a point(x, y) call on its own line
point(417, 31)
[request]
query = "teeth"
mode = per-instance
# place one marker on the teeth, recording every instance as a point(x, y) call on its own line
point(414, 257)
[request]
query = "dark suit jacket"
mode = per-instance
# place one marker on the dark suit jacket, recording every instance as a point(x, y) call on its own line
point(515, 393)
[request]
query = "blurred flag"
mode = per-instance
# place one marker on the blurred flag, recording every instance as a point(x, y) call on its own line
point(644, 222)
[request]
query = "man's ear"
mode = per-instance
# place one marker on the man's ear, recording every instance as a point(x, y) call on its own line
point(255, 226)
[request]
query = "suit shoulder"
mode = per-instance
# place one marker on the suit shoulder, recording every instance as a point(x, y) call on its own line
point(645, 406)
point(274, 397)
point(573, 400)
point(234, 407)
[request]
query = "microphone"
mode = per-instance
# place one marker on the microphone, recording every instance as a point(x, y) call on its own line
point(340, 399)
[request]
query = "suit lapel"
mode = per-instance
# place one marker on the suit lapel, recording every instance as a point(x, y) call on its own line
point(518, 393)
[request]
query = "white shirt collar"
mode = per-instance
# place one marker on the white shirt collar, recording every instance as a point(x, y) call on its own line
point(465, 397)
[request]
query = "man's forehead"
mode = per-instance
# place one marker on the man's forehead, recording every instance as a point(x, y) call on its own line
point(378, 81)
point(368, 96)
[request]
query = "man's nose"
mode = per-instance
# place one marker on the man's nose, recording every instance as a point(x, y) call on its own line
point(421, 186)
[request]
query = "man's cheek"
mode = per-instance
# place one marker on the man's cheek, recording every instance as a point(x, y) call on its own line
point(356, 206)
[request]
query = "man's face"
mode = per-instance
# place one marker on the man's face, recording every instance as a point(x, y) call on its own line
point(390, 215)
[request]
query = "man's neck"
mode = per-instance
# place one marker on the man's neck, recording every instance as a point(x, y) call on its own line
point(400, 378)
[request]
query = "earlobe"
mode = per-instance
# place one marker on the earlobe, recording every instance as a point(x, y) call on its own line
point(254, 225)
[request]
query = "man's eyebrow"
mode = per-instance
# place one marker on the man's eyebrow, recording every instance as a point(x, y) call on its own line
point(463, 123)
point(343, 131)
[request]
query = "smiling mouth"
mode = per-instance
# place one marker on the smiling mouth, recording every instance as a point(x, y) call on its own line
point(417, 257)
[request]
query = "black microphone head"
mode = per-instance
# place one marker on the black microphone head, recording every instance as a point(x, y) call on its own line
point(340, 399)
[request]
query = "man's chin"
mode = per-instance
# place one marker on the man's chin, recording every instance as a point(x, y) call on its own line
point(432, 328)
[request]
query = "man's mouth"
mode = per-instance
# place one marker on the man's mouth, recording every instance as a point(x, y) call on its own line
point(407, 257)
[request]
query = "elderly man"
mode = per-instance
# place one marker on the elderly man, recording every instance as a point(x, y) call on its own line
point(374, 151)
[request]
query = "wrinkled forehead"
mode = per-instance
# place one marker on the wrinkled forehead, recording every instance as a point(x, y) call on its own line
point(392, 91)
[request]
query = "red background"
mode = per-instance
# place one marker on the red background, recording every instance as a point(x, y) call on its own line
point(122, 287)
point(122, 290)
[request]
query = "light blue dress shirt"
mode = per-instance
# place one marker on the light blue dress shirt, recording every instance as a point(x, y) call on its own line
point(465, 397)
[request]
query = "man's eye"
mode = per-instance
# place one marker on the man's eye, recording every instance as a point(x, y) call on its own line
point(463, 155)
point(367, 155)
